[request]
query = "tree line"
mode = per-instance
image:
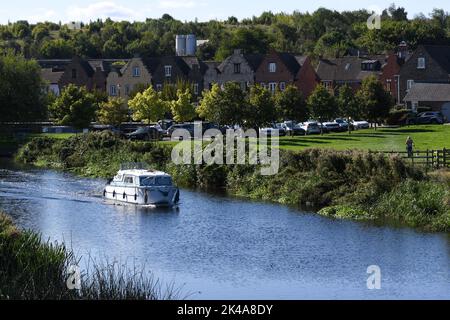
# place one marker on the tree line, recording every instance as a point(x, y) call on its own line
point(323, 32)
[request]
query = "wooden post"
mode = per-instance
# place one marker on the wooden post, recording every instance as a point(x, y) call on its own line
point(445, 157)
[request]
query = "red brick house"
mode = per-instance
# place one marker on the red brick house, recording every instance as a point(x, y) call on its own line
point(306, 79)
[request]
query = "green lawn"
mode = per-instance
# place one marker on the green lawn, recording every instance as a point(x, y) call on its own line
point(384, 139)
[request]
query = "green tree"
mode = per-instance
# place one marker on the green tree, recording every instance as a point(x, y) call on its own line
point(224, 107)
point(376, 102)
point(261, 108)
point(322, 104)
point(182, 108)
point(348, 104)
point(113, 112)
point(148, 106)
point(74, 107)
point(22, 94)
point(290, 105)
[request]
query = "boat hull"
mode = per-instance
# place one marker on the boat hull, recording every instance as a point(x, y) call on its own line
point(148, 196)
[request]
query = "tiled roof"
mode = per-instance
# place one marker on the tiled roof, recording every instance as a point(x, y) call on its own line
point(347, 68)
point(51, 76)
point(439, 92)
point(440, 54)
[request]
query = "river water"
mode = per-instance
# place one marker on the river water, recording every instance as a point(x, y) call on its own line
point(216, 247)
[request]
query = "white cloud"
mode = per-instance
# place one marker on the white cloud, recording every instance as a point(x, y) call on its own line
point(102, 10)
point(177, 4)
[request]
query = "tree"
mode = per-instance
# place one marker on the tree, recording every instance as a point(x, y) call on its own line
point(322, 104)
point(22, 94)
point(261, 108)
point(375, 100)
point(290, 105)
point(74, 107)
point(224, 107)
point(182, 108)
point(148, 106)
point(348, 104)
point(113, 112)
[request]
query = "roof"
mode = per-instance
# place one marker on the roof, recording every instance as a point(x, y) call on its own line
point(429, 92)
point(347, 68)
point(53, 77)
point(142, 173)
point(440, 54)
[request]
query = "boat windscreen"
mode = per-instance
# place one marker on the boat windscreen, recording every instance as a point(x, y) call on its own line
point(155, 181)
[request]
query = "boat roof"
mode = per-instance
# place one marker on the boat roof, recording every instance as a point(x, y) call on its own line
point(143, 173)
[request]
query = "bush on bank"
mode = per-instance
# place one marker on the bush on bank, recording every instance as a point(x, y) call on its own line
point(31, 269)
point(351, 184)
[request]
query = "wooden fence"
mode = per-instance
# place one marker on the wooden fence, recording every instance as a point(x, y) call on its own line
point(429, 158)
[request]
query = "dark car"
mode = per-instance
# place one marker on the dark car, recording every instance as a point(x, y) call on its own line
point(331, 127)
point(187, 126)
point(428, 118)
point(144, 134)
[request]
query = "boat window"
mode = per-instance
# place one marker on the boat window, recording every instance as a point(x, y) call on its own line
point(129, 180)
point(118, 178)
point(147, 181)
point(164, 181)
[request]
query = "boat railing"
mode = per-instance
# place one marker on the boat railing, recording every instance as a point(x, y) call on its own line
point(133, 166)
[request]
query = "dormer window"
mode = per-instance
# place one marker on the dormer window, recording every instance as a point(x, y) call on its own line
point(272, 67)
point(237, 68)
point(136, 72)
point(168, 71)
point(421, 63)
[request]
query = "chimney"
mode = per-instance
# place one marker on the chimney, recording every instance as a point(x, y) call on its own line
point(237, 51)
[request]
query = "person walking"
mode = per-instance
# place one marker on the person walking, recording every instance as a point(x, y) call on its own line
point(410, 147)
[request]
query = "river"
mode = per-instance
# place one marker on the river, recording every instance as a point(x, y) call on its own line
point(217, 247)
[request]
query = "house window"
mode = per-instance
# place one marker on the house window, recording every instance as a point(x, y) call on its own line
point(74, 73)
point(282, 86)
point(113, 90)
point(237, 68)
point(244, 86)
point(127, 89)
point(327, 85)
point(263, 85)
point(196, 88)
point(136, 72)
point(168, 71)
point(421, 63)
point(389, 85)
point(409, 84)
point(159, 87)
point(272, 67)
point(272, 87)
point(415, 106)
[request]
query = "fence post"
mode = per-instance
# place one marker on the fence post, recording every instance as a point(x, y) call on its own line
point(427, 158)
point(445, 157)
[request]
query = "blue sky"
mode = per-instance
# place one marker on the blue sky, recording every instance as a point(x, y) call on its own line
point(85, 10)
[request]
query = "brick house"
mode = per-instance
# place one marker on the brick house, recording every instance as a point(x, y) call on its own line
point(306, 79)
point(428, 64)
point(170, 69)
point(122, 81)
point(277, 70)
point(238, 67)
point(350, 70)
point(91, 74)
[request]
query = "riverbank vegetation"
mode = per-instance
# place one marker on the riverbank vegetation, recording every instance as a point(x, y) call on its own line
point(340, 184)
point(31, 269)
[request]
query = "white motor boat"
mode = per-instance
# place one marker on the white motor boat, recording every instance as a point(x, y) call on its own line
point(135, 185)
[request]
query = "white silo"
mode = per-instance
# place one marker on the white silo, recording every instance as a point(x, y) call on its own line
point(180, 45)
point(191, 45)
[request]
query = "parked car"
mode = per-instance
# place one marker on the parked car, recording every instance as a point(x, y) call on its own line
point(292, 128)
point(358, 125)
point(269, 131)
point(144, 134)
point(311, 127)
point(186, 126)
point(331, 127)
point(428, 118)
point(343, 124)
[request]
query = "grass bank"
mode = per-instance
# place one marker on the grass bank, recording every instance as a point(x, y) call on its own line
point(31, 269)
point(341, 184)
point(382, 139)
